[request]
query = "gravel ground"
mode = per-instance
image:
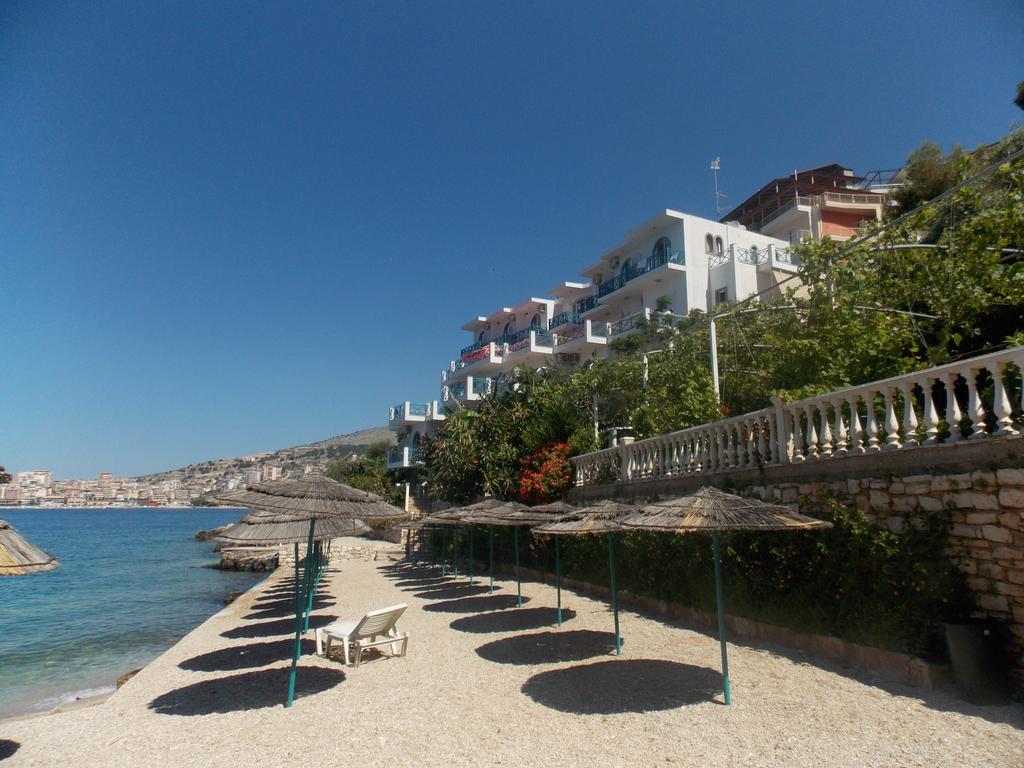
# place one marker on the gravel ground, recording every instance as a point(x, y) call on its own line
point(487, 684)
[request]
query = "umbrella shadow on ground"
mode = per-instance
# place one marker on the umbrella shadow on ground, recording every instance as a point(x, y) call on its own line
point(511, 621)
point(548, 647)
point(7, 748)
point(245, 656)
point(245, 691)
point(285, 608)
point(623, 685)
point(422, 583)
point(449, 591)
point(477, 604)
point(271, 628)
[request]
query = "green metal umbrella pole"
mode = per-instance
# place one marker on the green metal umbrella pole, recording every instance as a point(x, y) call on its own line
point(615, 592)
point(490, 553)
point(519, 582)
point(471, 553)
point(720, 607)
point(444, 552)
point(299, 602)
point(558, 581)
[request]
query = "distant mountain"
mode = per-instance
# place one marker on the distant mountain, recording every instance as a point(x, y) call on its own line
point(290, 460)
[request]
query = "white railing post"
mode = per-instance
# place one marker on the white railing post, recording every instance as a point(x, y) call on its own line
point(856, 433)
point(798, 437)
point(891, 425)
point(931, 417)
point(812, 433)
point(953, 414)
point(872, 422)
point(975, 410)
point(909, 415)
point(1001, 403)
point(841, 445)
point(826, 431)
point(781, 433)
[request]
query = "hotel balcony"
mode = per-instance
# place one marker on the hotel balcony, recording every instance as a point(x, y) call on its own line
point(402, 457)
point(583, 338)
point(481, 357)
point(563, 319)
point(530, 346)
point(653, 270)
point(468, 393)
point(406, 413)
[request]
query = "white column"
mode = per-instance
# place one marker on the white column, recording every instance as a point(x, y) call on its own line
point(1001, 403)
point(975, 410)
point(931, 417)
point(952, 407)
point(856, 432)
point(909, 415)
point(812, 433)
point(840, 445)
point(826, 431)
point(872, 422)
point(891, 424)
point(798, 437)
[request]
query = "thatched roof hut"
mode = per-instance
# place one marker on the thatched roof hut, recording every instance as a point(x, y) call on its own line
point(19, 556)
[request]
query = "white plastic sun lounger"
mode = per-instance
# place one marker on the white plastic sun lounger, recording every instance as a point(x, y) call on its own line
point(375, 629)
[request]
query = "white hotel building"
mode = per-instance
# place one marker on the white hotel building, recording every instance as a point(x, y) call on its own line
point(696, 263)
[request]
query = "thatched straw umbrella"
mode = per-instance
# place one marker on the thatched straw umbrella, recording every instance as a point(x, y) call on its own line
point(600, 518)
point(713, 511)
point(295, 505)
point(19, 556)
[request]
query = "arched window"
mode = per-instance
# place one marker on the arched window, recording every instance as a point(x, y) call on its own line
point(535, 321)
point(626, 268)
point(510, 328)
point(481, 336)
point(719, 245)
point(709, 243)
point(415, 439)
point(661, 249)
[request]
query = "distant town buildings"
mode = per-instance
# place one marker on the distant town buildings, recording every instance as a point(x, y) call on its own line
point(38, 488)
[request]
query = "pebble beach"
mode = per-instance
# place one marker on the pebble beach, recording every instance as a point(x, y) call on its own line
point(485, 683)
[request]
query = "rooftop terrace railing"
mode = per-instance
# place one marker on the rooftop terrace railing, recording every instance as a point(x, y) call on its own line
point(966, 400)
point(584, 305)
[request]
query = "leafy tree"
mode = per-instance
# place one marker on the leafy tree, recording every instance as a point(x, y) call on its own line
point(5, 476)
point(927, 174)
point(367, 473)
point(1019, 101)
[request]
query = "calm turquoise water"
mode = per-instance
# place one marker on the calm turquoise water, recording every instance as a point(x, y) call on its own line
point(132, 582)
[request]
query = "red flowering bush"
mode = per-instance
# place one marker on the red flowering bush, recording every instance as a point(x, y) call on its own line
point(545, 474)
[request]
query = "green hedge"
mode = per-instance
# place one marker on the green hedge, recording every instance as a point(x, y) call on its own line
point(856, 581)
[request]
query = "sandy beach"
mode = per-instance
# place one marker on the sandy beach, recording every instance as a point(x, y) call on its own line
point(487, 684)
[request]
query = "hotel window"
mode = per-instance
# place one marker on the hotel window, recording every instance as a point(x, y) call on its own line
point(719, 245)
point(709, 243)
point(721, 296)
point(535, 321)
point(481, 336)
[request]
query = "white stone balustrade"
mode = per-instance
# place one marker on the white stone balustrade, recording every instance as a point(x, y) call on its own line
point(897, 414)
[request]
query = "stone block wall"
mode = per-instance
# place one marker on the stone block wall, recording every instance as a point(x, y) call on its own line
point(986, 537)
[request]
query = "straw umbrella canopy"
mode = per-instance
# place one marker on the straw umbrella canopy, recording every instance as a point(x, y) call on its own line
point(281, 507)
point(600, 518)
point(712, 511)
point(19, 556)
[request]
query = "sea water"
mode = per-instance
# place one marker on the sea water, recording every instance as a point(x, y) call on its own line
point(131, 583)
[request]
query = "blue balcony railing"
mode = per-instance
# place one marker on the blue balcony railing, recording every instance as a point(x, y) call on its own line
point(480, 387)
point(417, 410)
point(458, 391)
point(563, 318)
point(472, 347)
point(584, 305)
point(630, 273)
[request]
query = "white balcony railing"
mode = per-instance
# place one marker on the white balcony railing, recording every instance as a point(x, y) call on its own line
point(895, 414)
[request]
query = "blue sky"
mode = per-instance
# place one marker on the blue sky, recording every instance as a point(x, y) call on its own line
point(230, 227)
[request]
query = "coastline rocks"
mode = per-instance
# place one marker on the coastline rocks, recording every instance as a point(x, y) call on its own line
point(207, 535)
point(248, 559)
point(127, 676)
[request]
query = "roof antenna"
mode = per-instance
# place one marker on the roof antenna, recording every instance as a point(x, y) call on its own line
point(715, 167)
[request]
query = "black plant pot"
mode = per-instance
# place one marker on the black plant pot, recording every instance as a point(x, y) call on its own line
point(981, 669)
